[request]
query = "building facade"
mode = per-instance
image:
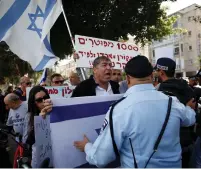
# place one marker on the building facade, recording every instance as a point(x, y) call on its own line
point(184, 48)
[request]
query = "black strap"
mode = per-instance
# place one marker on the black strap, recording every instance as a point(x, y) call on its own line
point(162, 130)
point(157, 141)
point(134, 159)
point(111, 126)
point(164, 124)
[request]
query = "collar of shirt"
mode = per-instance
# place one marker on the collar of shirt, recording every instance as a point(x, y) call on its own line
point(140, 87)
point(100, 91)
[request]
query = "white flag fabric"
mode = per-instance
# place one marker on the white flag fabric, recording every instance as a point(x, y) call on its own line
point(70, 119)
point(25, 26)
point(44, 76)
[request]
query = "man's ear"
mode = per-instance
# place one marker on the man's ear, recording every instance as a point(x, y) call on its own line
point(128, 79)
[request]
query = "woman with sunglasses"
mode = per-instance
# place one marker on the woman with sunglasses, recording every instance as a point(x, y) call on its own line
point(39, 103)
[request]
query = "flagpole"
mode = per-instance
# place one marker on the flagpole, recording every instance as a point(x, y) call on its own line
point(71, 37)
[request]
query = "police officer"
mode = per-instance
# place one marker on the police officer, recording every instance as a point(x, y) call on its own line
point(133, 124)
point(196, 158)
point(193, 81)
point(165, 68)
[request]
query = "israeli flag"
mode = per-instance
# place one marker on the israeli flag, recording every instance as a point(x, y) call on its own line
point(69, 120)
point(25, 26)
point(44, 76)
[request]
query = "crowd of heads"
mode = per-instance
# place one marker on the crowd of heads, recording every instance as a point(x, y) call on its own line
point(137, 70)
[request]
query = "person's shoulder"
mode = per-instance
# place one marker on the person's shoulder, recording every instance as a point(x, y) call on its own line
point(24, 106)
point(176, 104)
point(88, 83)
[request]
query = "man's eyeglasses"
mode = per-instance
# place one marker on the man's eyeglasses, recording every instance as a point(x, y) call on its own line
point(58, 82)
point(40, 100)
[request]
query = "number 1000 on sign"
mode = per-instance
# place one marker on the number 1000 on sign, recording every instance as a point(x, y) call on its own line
point(123, 46)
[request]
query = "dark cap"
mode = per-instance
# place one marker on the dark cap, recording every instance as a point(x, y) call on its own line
point(199, 73)
point(165, 64)
point(139, 67)
point(193, 78)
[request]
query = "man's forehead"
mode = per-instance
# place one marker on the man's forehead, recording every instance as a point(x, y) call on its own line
point(25, 79)
point(57, 77)
point(6, 101)
point(105, 62)
point(116, 70)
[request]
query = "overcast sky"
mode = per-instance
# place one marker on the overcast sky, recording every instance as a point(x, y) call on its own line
point(179, 4)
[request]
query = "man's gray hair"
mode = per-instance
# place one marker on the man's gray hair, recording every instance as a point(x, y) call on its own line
point(13, 97)
point(99, 59)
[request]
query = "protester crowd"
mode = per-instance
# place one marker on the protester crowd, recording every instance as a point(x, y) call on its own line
point(157, 123)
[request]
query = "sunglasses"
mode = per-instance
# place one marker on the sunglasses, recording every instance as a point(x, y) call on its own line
point(40, 100)
point(28, 83)
point(59, 81)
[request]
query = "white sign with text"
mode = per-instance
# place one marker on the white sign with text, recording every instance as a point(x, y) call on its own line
point(43, 140)
point(56, 91)
point(89, 48)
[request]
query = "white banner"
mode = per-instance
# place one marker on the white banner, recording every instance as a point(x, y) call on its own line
point(89, 48)
point(70, 120)
point(43, 140)
point(56, 91)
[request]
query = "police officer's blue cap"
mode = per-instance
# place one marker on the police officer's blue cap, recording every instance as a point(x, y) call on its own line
point(139, 67)
point(199, 73)
point(193, 77)
point(165, 64)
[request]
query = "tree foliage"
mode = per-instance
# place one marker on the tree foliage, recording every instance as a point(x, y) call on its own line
point(110, 19)
point(11, 67)
point(107, 19)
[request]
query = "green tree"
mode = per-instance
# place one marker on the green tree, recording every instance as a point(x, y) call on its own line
point(107, 19)
point(110, 19)
point(11, 67)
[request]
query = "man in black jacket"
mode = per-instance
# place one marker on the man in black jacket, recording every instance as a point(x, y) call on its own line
point(165, 69)
point(99, 84)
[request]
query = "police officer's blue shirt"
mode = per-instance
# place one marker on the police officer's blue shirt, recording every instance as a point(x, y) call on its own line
point(140, 117)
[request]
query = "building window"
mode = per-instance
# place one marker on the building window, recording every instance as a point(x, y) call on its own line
point(189, 33)
point(189, 18)
point(182, 47)
point(176, 51)
point(199, 47)
point(175, 25)
point(190, 48)
point(153, 52)
point(199, 36)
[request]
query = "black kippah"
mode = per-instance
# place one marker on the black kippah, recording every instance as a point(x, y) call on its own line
point(139, 67)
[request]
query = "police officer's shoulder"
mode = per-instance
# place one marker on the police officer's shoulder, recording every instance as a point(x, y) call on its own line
point(176, 104)
point(123, 105)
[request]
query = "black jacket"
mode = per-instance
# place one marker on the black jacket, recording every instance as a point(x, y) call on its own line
point(178, 88)
point(88, 88)
point(197, 92)
point(184, 93)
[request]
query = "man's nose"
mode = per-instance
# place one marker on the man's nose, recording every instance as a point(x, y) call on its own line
point(108, 67)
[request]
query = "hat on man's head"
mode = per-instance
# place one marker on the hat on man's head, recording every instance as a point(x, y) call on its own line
point(199, 73)
point(139, 67)
point(193, 78)
point(165, 64)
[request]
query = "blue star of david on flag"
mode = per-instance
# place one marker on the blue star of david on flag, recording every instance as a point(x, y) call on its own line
point(33, 17)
